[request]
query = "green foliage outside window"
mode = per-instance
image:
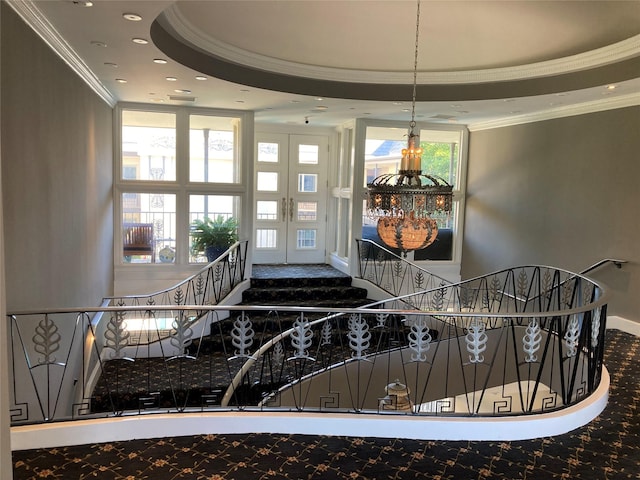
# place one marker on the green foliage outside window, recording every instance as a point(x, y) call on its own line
point(440, 159)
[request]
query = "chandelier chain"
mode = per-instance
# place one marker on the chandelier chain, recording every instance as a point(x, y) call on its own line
point(415, 72)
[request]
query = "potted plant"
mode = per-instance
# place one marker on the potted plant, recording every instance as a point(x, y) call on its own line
point(213, 236)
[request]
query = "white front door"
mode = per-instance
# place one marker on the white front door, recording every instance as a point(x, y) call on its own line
point(291, 198)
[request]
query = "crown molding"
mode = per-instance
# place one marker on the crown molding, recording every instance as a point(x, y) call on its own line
point(34, 18)
point(616, 52)
point(560, 112)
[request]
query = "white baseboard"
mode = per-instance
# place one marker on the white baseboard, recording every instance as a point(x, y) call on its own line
point(623, 324)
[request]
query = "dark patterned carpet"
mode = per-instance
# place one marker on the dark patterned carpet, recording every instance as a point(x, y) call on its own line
point(606, 449)
point(295, 271)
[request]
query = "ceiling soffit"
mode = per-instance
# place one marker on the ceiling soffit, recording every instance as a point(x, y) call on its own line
point(177, 36)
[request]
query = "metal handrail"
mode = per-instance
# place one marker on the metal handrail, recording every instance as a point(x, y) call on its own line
point(604, 261)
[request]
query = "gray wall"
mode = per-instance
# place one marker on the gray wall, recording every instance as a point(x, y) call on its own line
point(56, 177)
point(562, 192)
point(6, 467)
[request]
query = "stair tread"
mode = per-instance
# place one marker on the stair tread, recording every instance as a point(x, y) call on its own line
point(304, 285)
point(300, 282)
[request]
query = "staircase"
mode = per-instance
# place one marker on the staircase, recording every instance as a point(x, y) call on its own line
point(309, 285)
point(200, 378)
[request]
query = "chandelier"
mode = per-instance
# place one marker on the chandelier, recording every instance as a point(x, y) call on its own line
point(404, 202)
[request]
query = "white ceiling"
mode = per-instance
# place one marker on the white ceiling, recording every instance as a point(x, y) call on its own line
point(481, 63)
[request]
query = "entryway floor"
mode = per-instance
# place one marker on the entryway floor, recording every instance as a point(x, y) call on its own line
point(290, 270)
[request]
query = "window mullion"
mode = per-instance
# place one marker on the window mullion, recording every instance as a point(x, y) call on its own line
point(182, 205)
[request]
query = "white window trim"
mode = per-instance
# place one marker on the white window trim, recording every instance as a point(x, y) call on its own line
point(449, 269)
point(171, 272)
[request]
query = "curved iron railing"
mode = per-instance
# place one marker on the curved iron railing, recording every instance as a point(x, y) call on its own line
point(123, 327)
point(392, 273)
point(209, 286)
point(523, 340)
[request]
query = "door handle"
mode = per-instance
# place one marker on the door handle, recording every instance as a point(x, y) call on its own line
point(283, 209)
point(291, 209)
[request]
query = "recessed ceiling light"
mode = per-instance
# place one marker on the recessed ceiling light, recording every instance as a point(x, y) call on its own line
point(85, 3)
point(182, 90)
point(111, 64)
point(161, 61)
point(158, 100)
point(319, 99)
point(397, 103)
point(321, 107)
point(201, 77)
point(140, 41)
point(134, 17)
point(97, 43)
point(121, 80)
point(172, 79)
point(611, 87)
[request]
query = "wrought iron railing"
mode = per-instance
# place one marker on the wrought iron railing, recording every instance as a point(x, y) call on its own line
point(392, 273)
point(123, 327)
point(208, 286)
point(523, 340)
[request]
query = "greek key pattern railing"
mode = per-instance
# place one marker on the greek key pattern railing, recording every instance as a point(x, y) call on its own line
point(523, 340)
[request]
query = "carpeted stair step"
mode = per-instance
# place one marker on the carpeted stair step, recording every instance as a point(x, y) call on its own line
point(303, 296)
point(310, 285)
point(298, 282)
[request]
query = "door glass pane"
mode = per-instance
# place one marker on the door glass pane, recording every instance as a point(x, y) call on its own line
point(308, 154)
point(307, 182)
point(266, 210)
point(266, 238)
point(212, 149)
point(306, 238)
point(307, 211)
point(267, 152)
point(219, 208)
point(148, 227)
point(267, 181)
point(148, 146)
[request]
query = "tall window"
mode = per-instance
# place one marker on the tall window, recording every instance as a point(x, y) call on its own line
point(441, 158)
point(176, 165)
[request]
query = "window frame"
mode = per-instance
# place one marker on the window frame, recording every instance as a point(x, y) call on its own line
point(182, 187)
point(448, 268)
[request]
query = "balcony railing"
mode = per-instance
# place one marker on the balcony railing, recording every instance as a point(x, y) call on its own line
point(523, 340)
point(392, 273)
